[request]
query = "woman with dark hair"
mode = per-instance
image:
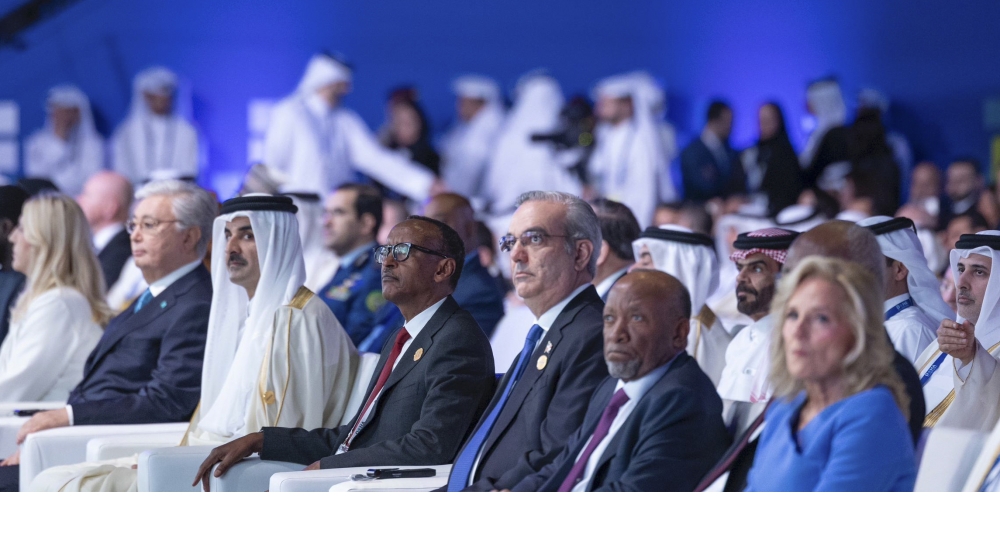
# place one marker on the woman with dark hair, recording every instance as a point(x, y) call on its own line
point(406, 131)
point(772, 167)
point(874, 171)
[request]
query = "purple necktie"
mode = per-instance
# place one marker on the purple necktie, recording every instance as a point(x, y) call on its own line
point(603, 426)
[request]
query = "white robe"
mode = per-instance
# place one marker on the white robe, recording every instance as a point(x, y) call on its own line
point(43, 356)
point(466, 150)
point(319, 149)
point(976, 403)
point(146, 143)
point(743, 385)
point(910, 330)
point(622, 169)
point(707, 343)
point(986, 466)
point(305, 381)
point(66, 163)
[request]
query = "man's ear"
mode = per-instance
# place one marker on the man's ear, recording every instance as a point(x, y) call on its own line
point(681, 332)
point(602, 257)
point(192, 236)
point(901, 271)
point(446, 269)
point(368, 223)
point(584, 250)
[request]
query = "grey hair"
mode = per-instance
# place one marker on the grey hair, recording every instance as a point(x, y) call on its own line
point(192, 206)
point(581, 221)
point(865, 250)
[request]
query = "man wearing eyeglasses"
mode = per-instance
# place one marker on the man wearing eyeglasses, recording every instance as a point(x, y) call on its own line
point(147, 366)
point(553, 243)
point(433, 380)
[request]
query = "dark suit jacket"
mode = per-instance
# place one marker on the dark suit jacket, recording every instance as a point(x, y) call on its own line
point(704, 178)
point(113, 256)
point(426, 409)
point(11, 283)
point(669, 441)
point(546, 406)
point(477, 293)
point(147, 366)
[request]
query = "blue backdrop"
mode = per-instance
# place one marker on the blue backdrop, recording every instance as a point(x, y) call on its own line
point(938, 64)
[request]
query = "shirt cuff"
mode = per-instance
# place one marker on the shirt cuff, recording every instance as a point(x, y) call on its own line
point(69, 413)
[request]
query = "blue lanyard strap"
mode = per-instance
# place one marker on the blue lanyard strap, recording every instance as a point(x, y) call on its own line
point(894, 311)
point(932, 369)
point(991, 476)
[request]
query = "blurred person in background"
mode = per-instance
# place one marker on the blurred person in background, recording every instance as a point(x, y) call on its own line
point(68, 149)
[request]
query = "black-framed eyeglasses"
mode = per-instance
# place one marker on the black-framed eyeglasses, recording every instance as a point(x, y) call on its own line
point(146, 225)
point(531, 238)
point(401, 251)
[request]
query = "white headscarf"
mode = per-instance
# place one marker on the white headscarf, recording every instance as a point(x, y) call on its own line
point(827, 105)
point(904, 246)
point(988, 326)
point(518, 164)
point(232, 362)
point(321, 71)
point(157, 80)
point(695, 266)
point(70, 96)
point(799, 218)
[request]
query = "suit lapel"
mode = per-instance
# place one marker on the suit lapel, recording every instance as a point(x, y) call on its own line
point(423, 341)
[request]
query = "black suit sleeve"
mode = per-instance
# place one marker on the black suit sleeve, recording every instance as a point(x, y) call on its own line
point(298, 445)
point(173, 391)
point(584, 372)
point(458, 381)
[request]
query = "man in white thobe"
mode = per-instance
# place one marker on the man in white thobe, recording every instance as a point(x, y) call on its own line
point(276, 355)
point(68, 149)
point(690, 257)
point(913, 305)
point(628, 164)
point(319, 144)
point(958, 370)
point(744, 386)
point(467, 147)
point(154, 136)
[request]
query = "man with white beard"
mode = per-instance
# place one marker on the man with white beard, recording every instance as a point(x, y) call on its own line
point(276, 355)
point(690, 257)
point(958, 370)
point(319, 143)
point(913, 304)
point(154, 136)
point(68, 149)
point(467, 147)
point(628, 164)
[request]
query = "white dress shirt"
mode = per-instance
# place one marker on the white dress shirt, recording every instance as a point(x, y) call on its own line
point(156, 288)
point(910, 330)
point(635, 390)
point(604, 287)
point(104, 236)
point(744, 386)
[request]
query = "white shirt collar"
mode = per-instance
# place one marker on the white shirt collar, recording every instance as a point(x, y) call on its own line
point(549, 317)
point(419, 321)
point(160, 285)
point(894, 301)
point(605, 286)
point(637, 388)
point(104, 236)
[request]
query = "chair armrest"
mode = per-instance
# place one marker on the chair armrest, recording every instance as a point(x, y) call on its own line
point(9, 426)
point(947, 460)
point(68, 445)
point(421, 484)
point(250, 475)
point(170, 469)
point(120, 446)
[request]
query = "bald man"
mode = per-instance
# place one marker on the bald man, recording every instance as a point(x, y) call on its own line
point(655, 424)
point(106, 199)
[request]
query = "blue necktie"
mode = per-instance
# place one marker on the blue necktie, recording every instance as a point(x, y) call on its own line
point(143, 299)
point(460, 472)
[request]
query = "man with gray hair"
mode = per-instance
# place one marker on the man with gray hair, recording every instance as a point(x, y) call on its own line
point(553, 242)
point(147, 366)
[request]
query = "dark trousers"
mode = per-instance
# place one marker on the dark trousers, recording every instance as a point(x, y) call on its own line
point(10, 476)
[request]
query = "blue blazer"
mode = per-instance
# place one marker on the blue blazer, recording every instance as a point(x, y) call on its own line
point(705, 178)
point(478, 293)
point(147, 366)
point(671, 439)
point(355, 295)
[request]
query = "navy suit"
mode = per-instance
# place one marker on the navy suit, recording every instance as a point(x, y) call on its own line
point(705, 177)
point(547, 405)
point(671, 439)
point(147, 366)
point(11, 283)
point(113, 257)
point(478, 293)
point(355, 295)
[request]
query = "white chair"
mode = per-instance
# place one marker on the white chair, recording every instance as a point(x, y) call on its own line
point(10, 424)
point(324, 480)
point(947, 459)
point(171, 469)
point(420, 484)
point(69, 445)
